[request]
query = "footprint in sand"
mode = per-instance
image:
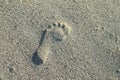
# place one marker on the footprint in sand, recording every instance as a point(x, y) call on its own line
point(55, 32)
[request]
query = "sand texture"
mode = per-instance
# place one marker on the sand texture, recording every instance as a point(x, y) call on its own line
point(59, 39)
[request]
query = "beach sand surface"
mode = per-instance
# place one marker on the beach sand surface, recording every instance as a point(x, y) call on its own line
point(59, 39)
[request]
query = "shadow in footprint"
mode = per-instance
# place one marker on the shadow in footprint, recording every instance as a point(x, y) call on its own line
point(42, 37)
point(36, 59)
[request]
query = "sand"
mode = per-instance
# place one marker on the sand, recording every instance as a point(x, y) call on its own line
point(59, 40)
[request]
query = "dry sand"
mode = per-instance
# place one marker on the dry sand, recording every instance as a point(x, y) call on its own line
point(59, 39)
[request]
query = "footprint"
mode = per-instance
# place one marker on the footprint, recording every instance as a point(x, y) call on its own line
point(56, 32)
